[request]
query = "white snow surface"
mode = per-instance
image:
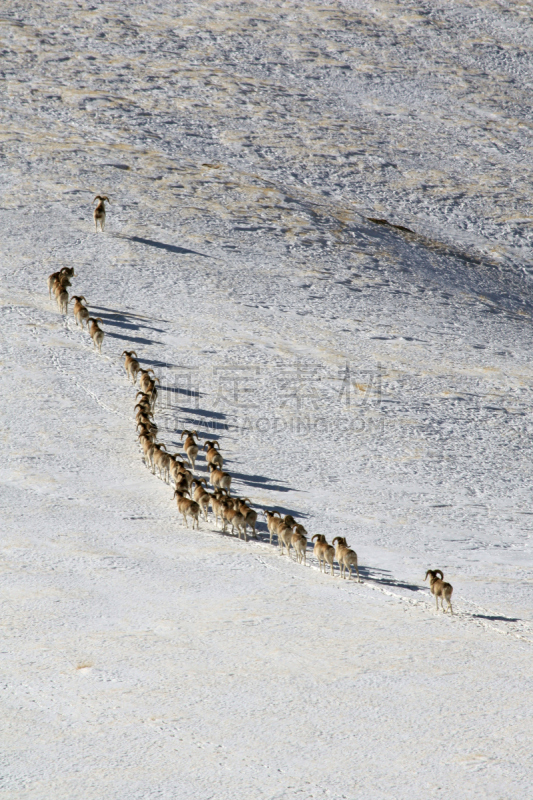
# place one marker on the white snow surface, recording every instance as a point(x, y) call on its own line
point(373, 381)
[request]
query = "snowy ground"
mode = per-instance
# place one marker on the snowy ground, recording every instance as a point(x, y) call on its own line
point(373, 381)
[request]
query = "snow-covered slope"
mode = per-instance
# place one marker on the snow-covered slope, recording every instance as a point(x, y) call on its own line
point(373, 380)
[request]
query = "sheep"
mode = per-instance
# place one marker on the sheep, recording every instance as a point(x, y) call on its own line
point(187, 507)
point(144, 417)
point(62, 299)
point(179, 472)
point(250, 516)
point(180, 483)
point(346, 558)
point(66, 272)
point(148, 388)
point(219, 502)
point(80, 312)
point(218, 478)
point(236, 519)
point(131, 365)
point(143, 407)
point(299, 543)
point(285, 538)
point(62, 283)
point(323, 552)
point(273, 522)
point(147, 429)
point(99, 211)
point(439, 588)
point(190, 447)
point(95, 332)
point(148, 449)
point(213, 455)
point(152, 394)
point(145, 381)
point(202, 497)
point(161, 461)
point(145, 400)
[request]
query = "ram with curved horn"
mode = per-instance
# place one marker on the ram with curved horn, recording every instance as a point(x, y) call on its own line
point(81, 313)
point(213, 455)
point(190, 446)
point(439, 588)
point(99, 211)
point(273, 522)
point(346, 557)
point(131, 365)
point(324, 552)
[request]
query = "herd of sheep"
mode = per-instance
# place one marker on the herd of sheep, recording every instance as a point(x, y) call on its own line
point(191, 493)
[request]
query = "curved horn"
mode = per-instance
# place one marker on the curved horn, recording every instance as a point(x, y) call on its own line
point(315, 537)
point(429, 572)
point(435, 571)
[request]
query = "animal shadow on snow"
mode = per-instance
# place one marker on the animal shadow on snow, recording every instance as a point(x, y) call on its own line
point(386, 579)
point(134, 339)
point(170, 248)
point(496, 618)
point(215, 415)
point(119, 320)
point(261, 482)
point(124, 320)
point(177, 390)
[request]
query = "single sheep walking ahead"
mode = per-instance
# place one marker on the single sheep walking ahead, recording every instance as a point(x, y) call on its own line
point(440, 588)
point(99, 211)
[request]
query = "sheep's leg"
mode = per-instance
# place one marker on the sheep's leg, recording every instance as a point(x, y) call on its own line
point(185, 520)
